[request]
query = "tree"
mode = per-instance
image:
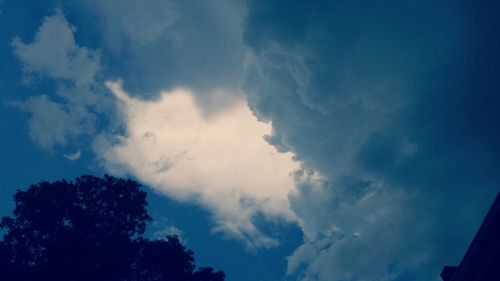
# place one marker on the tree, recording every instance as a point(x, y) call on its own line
point(90, 229)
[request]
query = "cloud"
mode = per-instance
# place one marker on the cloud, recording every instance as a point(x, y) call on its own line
point(54, 53)
point(52, 124)
point(225, 165)
point(220, 161)
point(73, 156)
point(344, 233)
point(394, 126)
point(163, 227)
point(389, 109)
point(134, 23)
point(155, 45)
point(72, 112)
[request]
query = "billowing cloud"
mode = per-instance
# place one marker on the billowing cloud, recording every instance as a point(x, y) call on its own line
point(391, 110)
point(155, 44)
point(390, 106)
point(135, 23)
point(219, 160)
point(347, 224)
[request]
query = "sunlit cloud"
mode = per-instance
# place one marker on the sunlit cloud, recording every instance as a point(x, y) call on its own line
point(220, 161)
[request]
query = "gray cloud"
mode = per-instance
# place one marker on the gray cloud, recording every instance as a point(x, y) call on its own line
point(73, 156)
point(133, 25)
point(54, 54)
point(391, 106)
point(163, 227)
point(171, 43)
point(52, 123)
point(221, 162)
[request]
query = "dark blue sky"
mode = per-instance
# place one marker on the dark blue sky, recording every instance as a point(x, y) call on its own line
point(283, 140)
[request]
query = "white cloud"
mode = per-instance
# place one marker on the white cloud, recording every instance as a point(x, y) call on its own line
point(221, 160)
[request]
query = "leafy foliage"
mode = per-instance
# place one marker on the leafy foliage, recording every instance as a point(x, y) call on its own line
point(90, 229)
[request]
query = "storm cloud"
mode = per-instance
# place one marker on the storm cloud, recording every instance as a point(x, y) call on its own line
point(393, 114)
point(373, 126)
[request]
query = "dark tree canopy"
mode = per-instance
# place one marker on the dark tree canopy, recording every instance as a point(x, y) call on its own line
point(90, 229)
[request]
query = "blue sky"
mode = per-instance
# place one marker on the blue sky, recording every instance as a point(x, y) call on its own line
point(282, 140)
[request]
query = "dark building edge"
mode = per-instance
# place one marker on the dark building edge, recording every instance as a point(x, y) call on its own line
point(482, 260)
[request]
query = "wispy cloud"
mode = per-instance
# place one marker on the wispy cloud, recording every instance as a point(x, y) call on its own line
point(162, 227)
point(73, 156)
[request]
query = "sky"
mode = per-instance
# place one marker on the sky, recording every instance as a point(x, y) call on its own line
point(281, 140)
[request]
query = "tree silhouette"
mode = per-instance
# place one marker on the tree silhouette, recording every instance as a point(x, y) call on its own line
point(90, 229)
